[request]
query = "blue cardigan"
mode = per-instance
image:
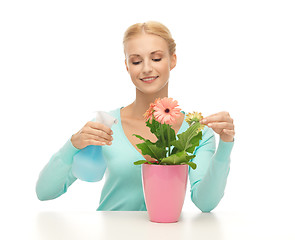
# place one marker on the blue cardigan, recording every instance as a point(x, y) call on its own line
point(123, 190)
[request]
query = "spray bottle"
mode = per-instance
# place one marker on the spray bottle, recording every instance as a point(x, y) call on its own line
point(89, 164)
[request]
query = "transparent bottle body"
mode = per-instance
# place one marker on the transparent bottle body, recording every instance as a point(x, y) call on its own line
point(89, 164)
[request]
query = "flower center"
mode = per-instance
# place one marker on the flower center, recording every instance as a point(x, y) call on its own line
point(167, 110)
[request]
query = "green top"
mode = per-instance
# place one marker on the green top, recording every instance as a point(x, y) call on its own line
point(123, 190)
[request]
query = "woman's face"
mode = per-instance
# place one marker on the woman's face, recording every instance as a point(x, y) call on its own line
point(148, 58)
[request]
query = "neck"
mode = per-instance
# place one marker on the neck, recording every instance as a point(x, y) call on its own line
point(143, 101)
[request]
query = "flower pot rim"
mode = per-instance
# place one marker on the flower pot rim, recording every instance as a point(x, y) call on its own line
point(165, 165)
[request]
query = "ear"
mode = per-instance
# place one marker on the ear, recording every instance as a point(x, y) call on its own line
point(173, 61)
point(126, 65)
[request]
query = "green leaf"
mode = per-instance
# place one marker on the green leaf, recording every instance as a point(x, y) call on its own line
point(191, 164)
point(194, 142)
point(150, 148)
point(177, 158)
point(140, 137)
point(175, 150)
point(188, 140)
point(155, 128)
point(141, 162)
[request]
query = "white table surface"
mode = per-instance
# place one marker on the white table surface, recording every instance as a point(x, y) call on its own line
point(136, 225)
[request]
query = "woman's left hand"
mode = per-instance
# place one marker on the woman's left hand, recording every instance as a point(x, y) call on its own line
point(222, 124)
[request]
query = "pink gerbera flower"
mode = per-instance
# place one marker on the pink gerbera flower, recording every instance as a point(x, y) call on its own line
point(149, 113)
point(166, 111)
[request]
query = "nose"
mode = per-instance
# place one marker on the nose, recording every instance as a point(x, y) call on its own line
point(147, 67)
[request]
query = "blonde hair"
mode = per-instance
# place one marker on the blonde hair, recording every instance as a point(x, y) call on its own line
point(151, 27)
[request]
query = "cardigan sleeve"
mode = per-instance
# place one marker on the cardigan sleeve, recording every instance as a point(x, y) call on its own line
point(208, 180)
point(56, 176)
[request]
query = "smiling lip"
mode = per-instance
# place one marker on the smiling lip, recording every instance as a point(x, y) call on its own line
point(152, 78)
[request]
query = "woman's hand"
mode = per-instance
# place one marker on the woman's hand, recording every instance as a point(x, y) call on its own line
point(222, 124)
point(93, 133)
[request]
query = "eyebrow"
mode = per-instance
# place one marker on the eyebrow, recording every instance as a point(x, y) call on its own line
point(137, 55)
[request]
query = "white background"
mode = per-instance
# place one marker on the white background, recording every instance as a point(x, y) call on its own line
point(62, 60)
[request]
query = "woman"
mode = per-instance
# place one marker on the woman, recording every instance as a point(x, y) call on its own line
point(149, 57)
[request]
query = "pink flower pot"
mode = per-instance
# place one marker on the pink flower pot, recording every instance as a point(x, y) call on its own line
point(164, 191)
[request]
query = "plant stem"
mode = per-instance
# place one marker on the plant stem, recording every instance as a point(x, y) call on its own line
point(162, 134)
point(168, 129)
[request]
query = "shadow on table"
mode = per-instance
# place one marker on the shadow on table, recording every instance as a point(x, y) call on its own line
point(190, 226)
point(69, 226)
point(206, 226)
point(116, 225)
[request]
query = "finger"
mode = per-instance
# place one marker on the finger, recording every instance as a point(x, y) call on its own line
point(229, 132)
point(213, 115)
point(100, 126)
point(218, 117)
point(95, 142)
point(205, 119)
point(215, 118)
point(221, 125)
point(101, 137)
point(99, 140)
point(99, 132)
point(95, 132)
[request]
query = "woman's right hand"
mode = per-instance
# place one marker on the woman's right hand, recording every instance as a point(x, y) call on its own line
point(93, 133)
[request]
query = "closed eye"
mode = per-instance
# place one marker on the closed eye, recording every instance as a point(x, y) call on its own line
point(155, 59)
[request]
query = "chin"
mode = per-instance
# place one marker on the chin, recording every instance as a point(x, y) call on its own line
point(152, 89)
